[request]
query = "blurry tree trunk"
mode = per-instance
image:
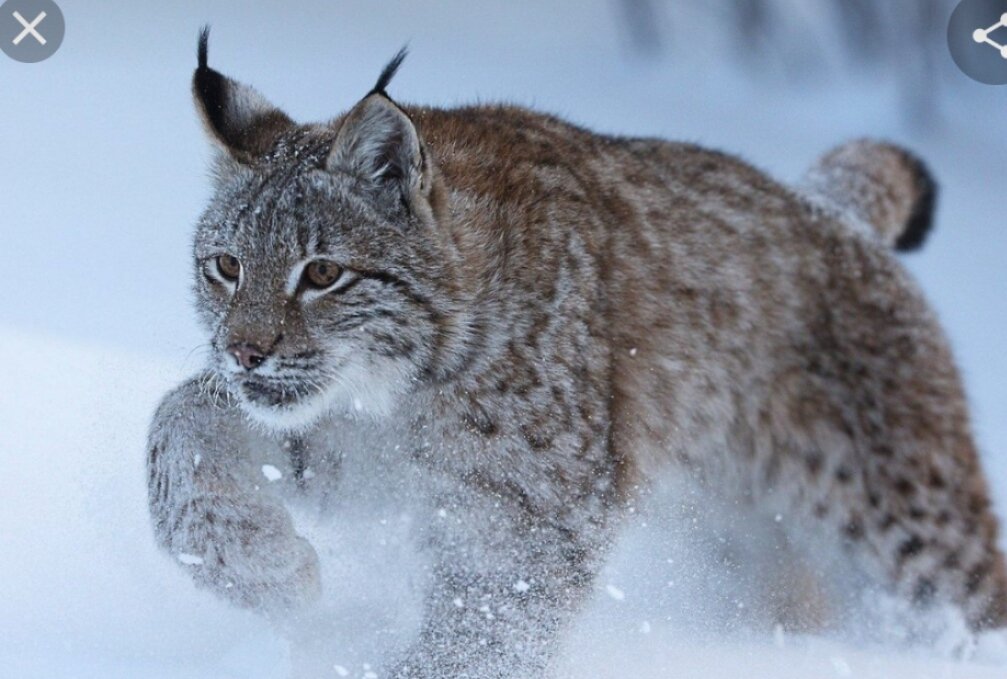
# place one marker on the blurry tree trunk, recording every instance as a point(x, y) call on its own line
point(640, 22)
point(902, 38)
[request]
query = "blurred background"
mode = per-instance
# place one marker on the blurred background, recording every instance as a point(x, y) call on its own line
point(105, 172)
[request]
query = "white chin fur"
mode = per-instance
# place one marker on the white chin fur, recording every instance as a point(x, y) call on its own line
point(287, 419)
point(359, 391)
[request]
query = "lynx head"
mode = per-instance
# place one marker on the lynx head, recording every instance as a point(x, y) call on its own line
point(323, 273)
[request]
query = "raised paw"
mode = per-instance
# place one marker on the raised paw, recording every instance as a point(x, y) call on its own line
point(252, 557)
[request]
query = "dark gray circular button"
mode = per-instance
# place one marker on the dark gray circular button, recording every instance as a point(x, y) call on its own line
point(31, 30)
point(977, 38)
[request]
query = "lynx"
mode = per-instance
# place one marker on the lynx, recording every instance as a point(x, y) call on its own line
point(540, 322)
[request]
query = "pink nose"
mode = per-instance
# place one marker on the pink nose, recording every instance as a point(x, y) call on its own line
point(248, 355)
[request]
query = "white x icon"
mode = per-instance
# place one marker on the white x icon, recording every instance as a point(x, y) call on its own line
point(29, 28)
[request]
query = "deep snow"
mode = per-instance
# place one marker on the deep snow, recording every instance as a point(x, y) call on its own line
point(104, 171)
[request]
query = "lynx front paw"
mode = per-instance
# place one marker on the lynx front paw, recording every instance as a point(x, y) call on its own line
point(253, 558)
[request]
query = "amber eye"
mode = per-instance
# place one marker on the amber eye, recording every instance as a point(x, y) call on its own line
point(321, 273)
point(229, 267)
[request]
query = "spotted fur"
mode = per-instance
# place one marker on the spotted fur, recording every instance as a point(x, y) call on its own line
point(540, 321)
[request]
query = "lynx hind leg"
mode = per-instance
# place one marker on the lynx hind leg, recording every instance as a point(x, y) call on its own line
point(209, 513)
point(799, 599)
point(871, 442)
point(736, 563)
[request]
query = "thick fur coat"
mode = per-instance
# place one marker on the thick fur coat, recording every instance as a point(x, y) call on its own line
point(539, 321)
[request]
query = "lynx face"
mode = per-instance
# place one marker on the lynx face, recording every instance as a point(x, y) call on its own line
point(319, 272)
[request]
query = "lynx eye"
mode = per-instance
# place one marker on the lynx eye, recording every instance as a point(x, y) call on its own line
point(229, 267)
point(321, 273)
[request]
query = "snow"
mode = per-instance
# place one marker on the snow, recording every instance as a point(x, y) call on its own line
point(106, 174)
point(841, 667)
point(271, 473)
point(615, 592)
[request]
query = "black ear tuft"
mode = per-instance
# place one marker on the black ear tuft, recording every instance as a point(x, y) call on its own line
point(389, 72)
point(211, 88)
point(204, 39)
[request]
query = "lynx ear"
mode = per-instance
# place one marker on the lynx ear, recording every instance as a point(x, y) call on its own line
point(237, 118)
point(378, 143)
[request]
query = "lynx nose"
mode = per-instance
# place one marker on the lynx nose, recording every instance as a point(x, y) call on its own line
point(247, 354)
